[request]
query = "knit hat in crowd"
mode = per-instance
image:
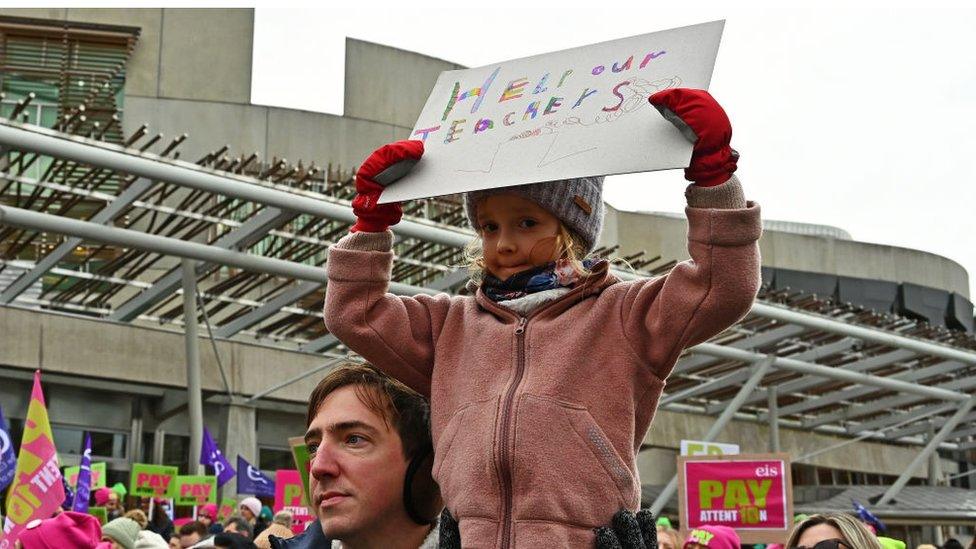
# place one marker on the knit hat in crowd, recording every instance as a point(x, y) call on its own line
point(150, 540)
point(713, 537)
point(68, 529)
point(211, 510)
point(124, 531)
point(253, 505)
point(102, 496)
point(578, 203)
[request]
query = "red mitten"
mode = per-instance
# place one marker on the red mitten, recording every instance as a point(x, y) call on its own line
point(387, 164)
point(703, 121)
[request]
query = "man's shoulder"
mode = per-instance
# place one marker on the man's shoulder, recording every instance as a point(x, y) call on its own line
point(311, 538)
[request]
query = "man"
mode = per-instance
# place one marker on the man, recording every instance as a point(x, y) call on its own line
point(191, 533)
point(236, 524)
point(369, 437)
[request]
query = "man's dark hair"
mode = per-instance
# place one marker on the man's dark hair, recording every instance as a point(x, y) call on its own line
point(241, 525)
point(404, 410)
point(401, 407)
point(195, 527)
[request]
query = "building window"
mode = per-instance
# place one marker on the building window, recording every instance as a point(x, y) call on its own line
point(105, 445)
point(272, 459)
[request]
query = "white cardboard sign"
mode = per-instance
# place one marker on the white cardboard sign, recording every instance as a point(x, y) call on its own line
point(573, 113)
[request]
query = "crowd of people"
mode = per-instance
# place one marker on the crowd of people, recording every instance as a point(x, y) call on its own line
point(251, 526)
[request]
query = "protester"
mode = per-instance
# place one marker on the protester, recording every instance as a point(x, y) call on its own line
point(109, 499)
point(371, 486)
point(667, 537)
point(280, 527)
point(138, 516)
point(952, 543)
point(712, 536)
point(122, 532)
point(191, 533)
point(843, 531)
point(264, 519)
point(174, 541)
point(207, 514)
point(530, 350)
point(160, 522)
point(927, 546)
point(250, 509)
point(68, 530)
point(236, 524)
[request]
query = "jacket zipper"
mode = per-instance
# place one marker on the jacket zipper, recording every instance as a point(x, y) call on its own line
point(505, 456)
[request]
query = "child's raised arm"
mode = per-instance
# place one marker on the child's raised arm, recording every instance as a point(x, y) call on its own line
point(716, 287)
point(394, 333)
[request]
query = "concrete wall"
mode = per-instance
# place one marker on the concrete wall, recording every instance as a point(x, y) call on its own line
point(199, 54)
point(388, 84)
point(667, 236)
point(269, 131)
point(63, 344)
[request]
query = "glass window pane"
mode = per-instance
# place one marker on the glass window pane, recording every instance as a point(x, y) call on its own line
point(272, 459)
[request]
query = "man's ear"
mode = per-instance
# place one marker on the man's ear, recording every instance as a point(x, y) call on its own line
point(421, 495)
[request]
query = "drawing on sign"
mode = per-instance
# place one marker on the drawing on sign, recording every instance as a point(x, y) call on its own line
point(581, 112)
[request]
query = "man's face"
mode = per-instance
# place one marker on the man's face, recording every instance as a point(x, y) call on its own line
point(357, 466)
point(189, 539)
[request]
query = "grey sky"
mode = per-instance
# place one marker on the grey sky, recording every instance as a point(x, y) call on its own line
point(858, 118)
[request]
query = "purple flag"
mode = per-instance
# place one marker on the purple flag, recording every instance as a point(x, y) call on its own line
point(83, 486)
point(211, 456)
point(8, 461)
point(252, 480)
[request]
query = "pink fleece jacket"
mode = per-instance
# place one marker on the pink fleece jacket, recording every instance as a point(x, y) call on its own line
point(537, 419)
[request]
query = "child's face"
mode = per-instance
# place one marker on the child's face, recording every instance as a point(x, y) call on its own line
point(517, 234)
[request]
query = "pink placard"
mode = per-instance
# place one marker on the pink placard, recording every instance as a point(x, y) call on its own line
point(750, 494)
point(288, 497)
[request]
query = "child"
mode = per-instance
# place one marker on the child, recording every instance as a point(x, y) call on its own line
point(543, 384)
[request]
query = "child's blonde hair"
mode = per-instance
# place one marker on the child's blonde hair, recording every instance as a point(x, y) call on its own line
point(569, 246)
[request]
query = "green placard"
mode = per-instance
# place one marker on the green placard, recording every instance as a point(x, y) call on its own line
point(227, 507)
point(153, 480)
point(97, 475)
point(299, 452)
point(195, 490)
point(100, 513)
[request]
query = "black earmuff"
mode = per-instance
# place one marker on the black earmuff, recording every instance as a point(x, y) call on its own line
point(419, 464)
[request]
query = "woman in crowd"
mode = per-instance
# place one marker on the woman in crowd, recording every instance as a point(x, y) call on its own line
point(832, 531)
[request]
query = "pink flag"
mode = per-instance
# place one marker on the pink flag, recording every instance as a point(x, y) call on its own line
point(37, 490)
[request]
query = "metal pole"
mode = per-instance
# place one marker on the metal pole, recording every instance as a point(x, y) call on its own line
point(108, 234)
point(759, 370)
point(923, 455)
point(882, 337)
point(153, 167)
point(193, 392)
point(830, 372)
point(773, 408)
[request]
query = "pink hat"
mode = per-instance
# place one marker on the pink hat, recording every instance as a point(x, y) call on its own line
point(68, 529)
point(713, 537)
point(101, 496)
point(210, 509)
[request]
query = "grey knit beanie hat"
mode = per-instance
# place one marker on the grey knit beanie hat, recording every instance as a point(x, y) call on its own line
point(123, 530)
point(578, 203)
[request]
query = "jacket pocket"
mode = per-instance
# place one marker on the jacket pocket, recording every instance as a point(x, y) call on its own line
point(565, 468)
point(464, 465)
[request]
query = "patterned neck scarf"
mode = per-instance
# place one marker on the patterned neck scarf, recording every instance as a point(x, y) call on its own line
point(557, 274)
